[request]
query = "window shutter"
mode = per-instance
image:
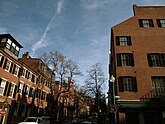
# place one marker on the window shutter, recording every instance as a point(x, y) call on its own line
point(0, 81)
point(151, 23)
point(4, 66)
point(134, 84)
point(129, 40)
point(162, 56)
point(11, 67)
point(119, 59)
point(20, 72)
point(9, 89)
point(132, 59)
point(149, 60)
point(15, 91)
point(158, 23)
point(18, 87)
point(120, 83)
point(2, 58)
point(117, 41)
point(5, 91)
point(140, 23)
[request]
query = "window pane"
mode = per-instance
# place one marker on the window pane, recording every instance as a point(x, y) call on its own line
point(11, 92)
point(2, 86)
point(9, 41)
point(162, 22)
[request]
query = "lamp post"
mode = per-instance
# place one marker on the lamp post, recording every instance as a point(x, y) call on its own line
point(112, 80)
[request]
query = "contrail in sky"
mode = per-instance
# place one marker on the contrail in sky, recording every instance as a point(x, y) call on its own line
point(41, 43)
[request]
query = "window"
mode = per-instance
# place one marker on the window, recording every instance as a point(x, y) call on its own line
point(2, 86)
point(127, 84)
point(11, 90)
point(158, 84)
point(16, 70)
point(156, 59)
point(146, 23)
point(161, 22)
point(20, 88)
point(12, 47)
point(32, 92)
point(8, 44)
point(125, 59)
point(123, 41)
point(23, 72)
point(30, 76)
point(27, 90)
point(7, 65)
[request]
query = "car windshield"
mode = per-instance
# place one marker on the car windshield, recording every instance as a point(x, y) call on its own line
point(31, 120)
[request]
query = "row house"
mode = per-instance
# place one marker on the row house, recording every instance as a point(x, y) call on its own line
point(25, 83)
point(137, 61)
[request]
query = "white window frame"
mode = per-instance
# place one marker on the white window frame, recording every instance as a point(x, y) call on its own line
point(21, 84)
point(12, 89)
point(8, 60)
point(16, 73)
point(27, 90)
point(2, 86)
point(24, 73)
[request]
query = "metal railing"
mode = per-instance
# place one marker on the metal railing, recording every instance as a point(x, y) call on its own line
point(154, 94)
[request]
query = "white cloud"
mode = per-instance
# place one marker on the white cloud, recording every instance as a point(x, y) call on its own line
point(92, 4)
point(59, 6)
point(42, 42)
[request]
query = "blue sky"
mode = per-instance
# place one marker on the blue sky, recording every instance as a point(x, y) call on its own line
point(80, 29)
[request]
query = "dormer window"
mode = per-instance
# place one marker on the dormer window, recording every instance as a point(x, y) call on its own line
point(12, 47)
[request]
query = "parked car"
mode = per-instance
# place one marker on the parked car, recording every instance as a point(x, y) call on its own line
point(32, 120)
point(46, 119)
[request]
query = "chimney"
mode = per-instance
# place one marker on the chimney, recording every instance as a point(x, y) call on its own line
point(26, 55)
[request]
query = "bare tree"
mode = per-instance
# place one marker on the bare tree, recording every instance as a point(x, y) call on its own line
point(62, 68)
point(95, 79)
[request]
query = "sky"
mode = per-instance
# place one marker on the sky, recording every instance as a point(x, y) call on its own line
point(79, 29)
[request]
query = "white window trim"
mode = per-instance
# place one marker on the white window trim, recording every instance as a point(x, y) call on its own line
point(13, 90)
point(25, 72)
point(9, 65)
point(21, 89)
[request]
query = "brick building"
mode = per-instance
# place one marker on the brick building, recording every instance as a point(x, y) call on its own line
point(24, 83)
point(137, 61)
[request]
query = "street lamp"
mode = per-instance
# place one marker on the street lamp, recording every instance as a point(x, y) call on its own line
point(112, 80)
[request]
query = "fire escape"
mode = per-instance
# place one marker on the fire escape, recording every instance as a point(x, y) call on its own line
point(154, 95)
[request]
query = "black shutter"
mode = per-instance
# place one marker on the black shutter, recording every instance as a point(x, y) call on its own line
point(120, 83)
point(149, 60)
point(20, 72)
point(5, 91)
point(0, 81)
point(11, 67)
point(129, 40)
point(158, 23)
point(117, 40)
point(9, 89)
point(18, 87)
point(151, 23)
point(119, 59)
point(132, 59)
point(1, 62)
point(162, 57)
point(134, 84)
point(15, 91)
point(4, 66)
point(140, 23)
